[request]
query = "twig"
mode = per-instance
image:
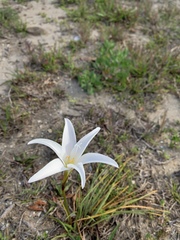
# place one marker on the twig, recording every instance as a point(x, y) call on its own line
point(162, 163)
point(7, 211)
point(9, 96)
point(149, 146)
point(163, 121)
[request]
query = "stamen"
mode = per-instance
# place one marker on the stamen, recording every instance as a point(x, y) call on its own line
point(69, 160)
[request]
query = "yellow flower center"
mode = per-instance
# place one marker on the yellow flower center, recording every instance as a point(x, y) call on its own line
point(69, 160)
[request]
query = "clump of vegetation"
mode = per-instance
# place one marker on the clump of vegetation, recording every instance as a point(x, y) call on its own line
point(109, 193)
point(110, 70)
point(25, 160)
point(9, 20)
point(12, 118)
point(130, 70)
point(6, 119)
point(52, 61)
point(175, 191)
point(47, 61)
point(106, 11)
point(175, 140)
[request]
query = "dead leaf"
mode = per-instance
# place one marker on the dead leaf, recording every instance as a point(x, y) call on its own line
point(38, 205)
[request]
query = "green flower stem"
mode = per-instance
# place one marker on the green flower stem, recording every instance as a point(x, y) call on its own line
point(65, 178)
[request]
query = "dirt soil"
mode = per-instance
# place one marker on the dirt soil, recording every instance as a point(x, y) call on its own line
point(47, 119)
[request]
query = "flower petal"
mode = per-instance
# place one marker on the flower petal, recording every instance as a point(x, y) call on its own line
point(80, 169)
point(81, 145)
point(98, 158)
point(49, 169)
point(69, 137)
point(56, 147)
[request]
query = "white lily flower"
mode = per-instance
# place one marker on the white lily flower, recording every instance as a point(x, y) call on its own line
point(70, 154)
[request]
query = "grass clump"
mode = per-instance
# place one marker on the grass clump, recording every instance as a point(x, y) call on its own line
point(110, 193)
point(175, 192)
point(6, 119)
point(25, 160)
point(109, 11)
point(10, 20)
point(154, 69)
point(52, 61)
point(106, 12)
point(11, 118)
point(46, 61)
point(26, 76)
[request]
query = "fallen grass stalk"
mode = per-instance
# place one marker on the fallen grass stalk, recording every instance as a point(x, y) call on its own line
point(151, 210)
point(112, 211)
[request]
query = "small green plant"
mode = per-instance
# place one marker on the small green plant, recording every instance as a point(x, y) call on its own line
point(25, 160)
point(150, 237)
point(113, 64)
point(6, 120)
point(43, 236)
point(110, 70)
point(76, 45)
point(2, 237)
point(175, 141)
point(175, 191)
point(90, 81)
